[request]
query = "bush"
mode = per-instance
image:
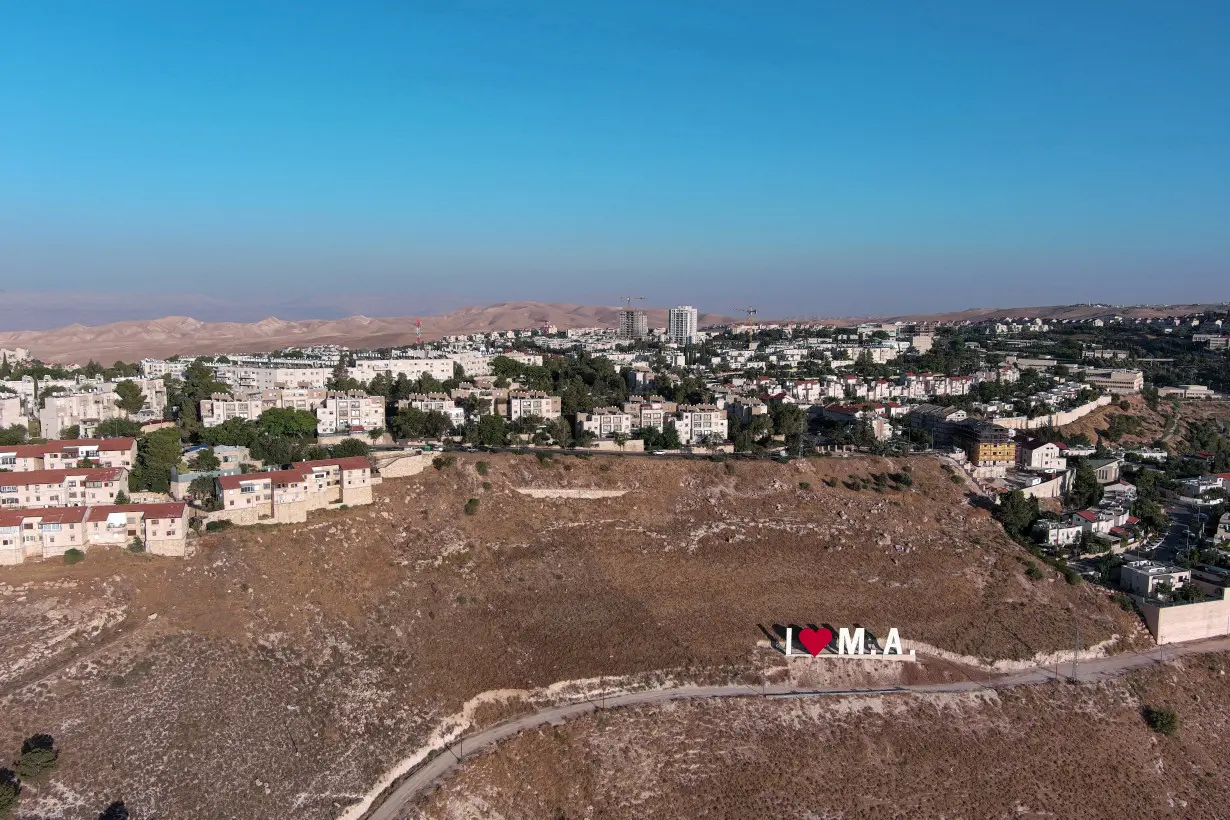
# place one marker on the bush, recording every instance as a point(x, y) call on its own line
point(471, 506)
point(216, 526)
point(38, 757)
point(1124, 602)
point(486, 485)
point(440, 462)
point(730, 468)
point(10, 791)
point(482, 467)
point(955, 479)
point(1162, 721)
point(116, 811)
point(73, 556)
point(137, 545)
point(1073, 577)
point(1034, 572)
point(543, 458)
point(804, 485)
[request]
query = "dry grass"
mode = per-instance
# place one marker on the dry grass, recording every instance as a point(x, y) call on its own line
point(312, 657)
point(1050, 751)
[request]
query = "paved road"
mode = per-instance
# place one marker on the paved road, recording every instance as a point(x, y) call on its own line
point(391, 805)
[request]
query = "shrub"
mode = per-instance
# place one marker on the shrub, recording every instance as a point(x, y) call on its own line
point(1034, 572)
point(10, 791)
point(73, 556)
point(486, 485)
point(954, 478)
point(1162, 721)
point(482, 467)
point(1073, 577)
point(830, 482)
point(441, 462)
point(38, 757)
point(543, 458)
point(804, 485)
point(116, 811)
point(215, 526)
point(471, 506)
point(137, 545)
point(729, 467)
point(1124, 602)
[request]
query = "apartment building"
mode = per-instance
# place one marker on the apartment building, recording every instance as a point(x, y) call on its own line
point(523, 403)
point(1119, 382)
point(294, 398)
point(412, 367)
point(654, 412)
point(286, 496)
point(49, 533)
point(604, 423)
point(744, 409)
point(247, 378)
point(1144, 577)
point(10, 411)
point(1041, 455)
point(61, 488)
point(222, 407)
point(681, 325)
point(985, 444)
point(95, 402)
point(159, 368)
point(937, 421)
point(435, 402)
point(350, 411)
point(633, 324)
point(697, 423)
point(60, 455)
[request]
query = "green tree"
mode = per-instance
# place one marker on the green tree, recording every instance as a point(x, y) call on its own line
point(561, 432)
point(117, 428)
point(1085, 490)
point(157, 453)
point(1017, 514)
point(128, 397)
point(10, 790)
point(204, 490)
point(14, 434)
point(235, 432)
point(488, 430)
point(38, 757)
point(287, 422)
point(375, 434)
point(1162, 721)
point(206, 461)
point(121, 497)
point(349, 447)
point(71, 432)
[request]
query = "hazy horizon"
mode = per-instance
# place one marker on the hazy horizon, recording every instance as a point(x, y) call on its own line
point(806, 159)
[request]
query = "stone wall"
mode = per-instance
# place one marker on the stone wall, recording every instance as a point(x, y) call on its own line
point(569, 493)
point(1187, 622)
point(395, 464)
point(1054, 419)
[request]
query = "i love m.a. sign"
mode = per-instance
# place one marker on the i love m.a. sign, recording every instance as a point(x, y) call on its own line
point(819, 641)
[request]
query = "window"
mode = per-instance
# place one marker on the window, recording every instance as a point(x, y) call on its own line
point(8, 489)
point(248, 488)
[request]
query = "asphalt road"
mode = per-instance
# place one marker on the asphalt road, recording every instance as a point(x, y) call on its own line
point(391, 805)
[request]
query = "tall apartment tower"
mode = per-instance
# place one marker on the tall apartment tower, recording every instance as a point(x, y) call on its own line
point(633, 324)
point(681, 325)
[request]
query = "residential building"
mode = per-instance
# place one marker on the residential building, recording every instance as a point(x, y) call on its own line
point(286, 496)
point(1041, 455)
point(1119, 493)
point(351, 411)
point(523, 403)
point(294, 398)
point(158, 368)
point(61, 488)
point(1058, 533)
point(652, 412)
point(681, 325)
point(1106, 469)
point(49, 533)
point(1144, 577)
point(937, 421)
point(246, 378)
point(1223, 529)
point(94, 402)
point(1120, 382)
point(222, 407)
point(59, 455)
point(435, 402)
point(412, 367)
point(604, 423)
point(633, 324)
point(984, 443)
point(744, 409)
point(699, 423)
point(10, 412)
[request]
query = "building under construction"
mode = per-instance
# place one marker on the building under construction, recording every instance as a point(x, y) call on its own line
point(633, 324)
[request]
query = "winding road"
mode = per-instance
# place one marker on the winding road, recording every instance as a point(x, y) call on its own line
point(392, 804)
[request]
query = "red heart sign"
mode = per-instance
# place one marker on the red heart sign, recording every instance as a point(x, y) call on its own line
point(814, 640)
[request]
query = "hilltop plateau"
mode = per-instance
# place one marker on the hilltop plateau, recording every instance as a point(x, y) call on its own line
point(282, 670)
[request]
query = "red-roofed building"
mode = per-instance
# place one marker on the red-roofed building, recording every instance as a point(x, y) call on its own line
point(286, 496)
point(162, 528)
point(40, 533)
point(79, 487)
point(69, 453)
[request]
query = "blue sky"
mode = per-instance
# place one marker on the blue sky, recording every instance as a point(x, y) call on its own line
point(811, 157)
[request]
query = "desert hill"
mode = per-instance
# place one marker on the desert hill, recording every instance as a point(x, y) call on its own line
point(312, 657)
point(1051, 751)
point(133, 340)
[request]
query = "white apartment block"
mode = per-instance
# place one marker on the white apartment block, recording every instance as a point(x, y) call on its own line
point(700, 422)
point(681, 325)
point(61, 488)
point(438, 367)
point(49, 533)
point(435, 402)
point(1036, 455)
point(15, 355)
point(604, 422)
point(59, 455)
point(523, 403)
point(294, 398)
point(96, 402)
point(350, 412)
point(158, 368)
point(653, 413)
point(250, 378)
point(10, 411)
point(222, 407)
point(1116, 381)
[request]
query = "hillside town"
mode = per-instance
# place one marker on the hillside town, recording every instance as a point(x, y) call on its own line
point(146, 454)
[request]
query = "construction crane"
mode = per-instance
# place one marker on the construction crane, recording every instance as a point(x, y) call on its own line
point(751, 319)
point(628, 300)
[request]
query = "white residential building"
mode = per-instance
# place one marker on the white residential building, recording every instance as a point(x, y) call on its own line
point(221, 407)
point(244, 378)
point(352, 411)
point(681, 325)
point(61, 488)
point(523, 403)
point(701, 422)
point(604, 422)
point(10, 411)
point(157, 368)
point(435, 402)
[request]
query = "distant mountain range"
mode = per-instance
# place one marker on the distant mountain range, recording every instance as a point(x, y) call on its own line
point(132, 340)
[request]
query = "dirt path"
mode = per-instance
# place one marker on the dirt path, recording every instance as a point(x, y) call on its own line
point(390, 805)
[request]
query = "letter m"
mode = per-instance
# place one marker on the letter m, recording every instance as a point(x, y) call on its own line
point(850, 643)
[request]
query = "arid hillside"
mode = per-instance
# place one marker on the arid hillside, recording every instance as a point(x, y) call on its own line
point(1049, 751)
point(283, 669)
point(133, 340)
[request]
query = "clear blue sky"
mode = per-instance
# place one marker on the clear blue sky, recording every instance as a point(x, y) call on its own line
point(809, 156)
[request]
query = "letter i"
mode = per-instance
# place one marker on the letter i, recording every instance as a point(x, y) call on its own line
point(789, 637)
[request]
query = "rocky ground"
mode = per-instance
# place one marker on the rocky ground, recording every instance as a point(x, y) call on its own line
point(283, 669)
point(1051, 751)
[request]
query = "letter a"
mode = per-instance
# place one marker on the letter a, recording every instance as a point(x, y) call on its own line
point(893, 640)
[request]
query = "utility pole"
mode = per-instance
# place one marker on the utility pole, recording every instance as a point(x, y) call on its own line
point(1077, 653)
